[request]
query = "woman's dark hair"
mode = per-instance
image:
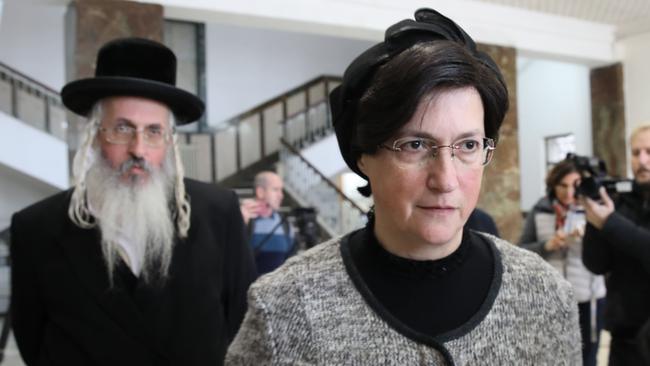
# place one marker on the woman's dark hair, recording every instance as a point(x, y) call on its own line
point(557, 173)
point(383, 87)
point(421, 71)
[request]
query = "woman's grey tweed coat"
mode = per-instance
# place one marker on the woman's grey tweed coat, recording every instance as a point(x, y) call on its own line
point(311, 311)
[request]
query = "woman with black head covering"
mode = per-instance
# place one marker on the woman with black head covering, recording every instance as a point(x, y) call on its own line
point(417, 116)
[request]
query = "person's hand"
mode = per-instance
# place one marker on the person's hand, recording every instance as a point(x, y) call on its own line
point(558, 241)
point(575, 236)
point(250, 209)
point(598, 212)
point(578, 232)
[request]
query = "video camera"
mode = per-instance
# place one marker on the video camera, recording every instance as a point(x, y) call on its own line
point(593, 175)
point(308, 230)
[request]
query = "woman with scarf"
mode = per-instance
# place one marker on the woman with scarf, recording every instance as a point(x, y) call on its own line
point(554, 230)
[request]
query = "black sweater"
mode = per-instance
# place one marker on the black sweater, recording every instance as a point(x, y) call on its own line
point(430, 297)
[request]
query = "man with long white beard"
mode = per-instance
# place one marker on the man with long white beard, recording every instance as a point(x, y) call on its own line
point(134, 265)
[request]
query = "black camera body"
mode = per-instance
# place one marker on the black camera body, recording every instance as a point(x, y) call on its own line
point(593, 175)
point(308, 233)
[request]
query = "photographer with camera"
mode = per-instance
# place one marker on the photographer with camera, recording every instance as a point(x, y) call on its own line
point(554, 229)
point(617, 243)
point(271, 236)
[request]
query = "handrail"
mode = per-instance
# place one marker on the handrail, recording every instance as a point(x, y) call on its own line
point(261, 107)
point(47, 114)
point(324, 178)
point(29, 79)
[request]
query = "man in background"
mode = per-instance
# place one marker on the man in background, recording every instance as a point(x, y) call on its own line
point(617, 243)
point(134, 265)
point(271, 236)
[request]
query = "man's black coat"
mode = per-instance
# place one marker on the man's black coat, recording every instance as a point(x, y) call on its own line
point(65, 312)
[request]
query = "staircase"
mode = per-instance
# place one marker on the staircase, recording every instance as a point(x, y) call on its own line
point(33, 150)
point(228, 150)
point(269, 136)
point(337, 214)
point(29, 101)
point(33, 165)
point(274, 133)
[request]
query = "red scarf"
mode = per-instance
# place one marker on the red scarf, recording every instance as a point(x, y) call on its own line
point(560, 214)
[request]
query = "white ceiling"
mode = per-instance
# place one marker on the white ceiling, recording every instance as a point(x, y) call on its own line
point(629, 16)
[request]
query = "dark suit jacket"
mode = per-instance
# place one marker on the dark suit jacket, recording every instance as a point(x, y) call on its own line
point(480, 220)
point(65, 312)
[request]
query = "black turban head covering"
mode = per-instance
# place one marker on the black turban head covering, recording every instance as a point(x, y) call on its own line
point(429, 25)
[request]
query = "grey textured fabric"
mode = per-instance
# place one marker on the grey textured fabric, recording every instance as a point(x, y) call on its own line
point(309, 312)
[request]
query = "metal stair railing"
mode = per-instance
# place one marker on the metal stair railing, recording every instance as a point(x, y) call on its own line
point(282, 126)
point(301, 116)
point(337, 213)
point(32, 102)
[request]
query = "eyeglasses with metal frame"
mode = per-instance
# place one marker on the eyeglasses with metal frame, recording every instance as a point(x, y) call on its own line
point(415, 151)
point(123, 134)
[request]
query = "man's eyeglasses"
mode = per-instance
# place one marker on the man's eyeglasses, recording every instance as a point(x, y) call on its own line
point(121, 134)
point(416, 151)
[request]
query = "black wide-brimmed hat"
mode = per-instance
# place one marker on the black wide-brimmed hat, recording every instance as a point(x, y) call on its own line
point(134, 67)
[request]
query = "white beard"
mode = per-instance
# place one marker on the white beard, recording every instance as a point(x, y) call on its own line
point(136, 212)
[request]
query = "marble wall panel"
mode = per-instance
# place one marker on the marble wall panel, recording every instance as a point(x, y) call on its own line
point(608, 117)
point(92, 23)
point(500, 193)
point(89, 25)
